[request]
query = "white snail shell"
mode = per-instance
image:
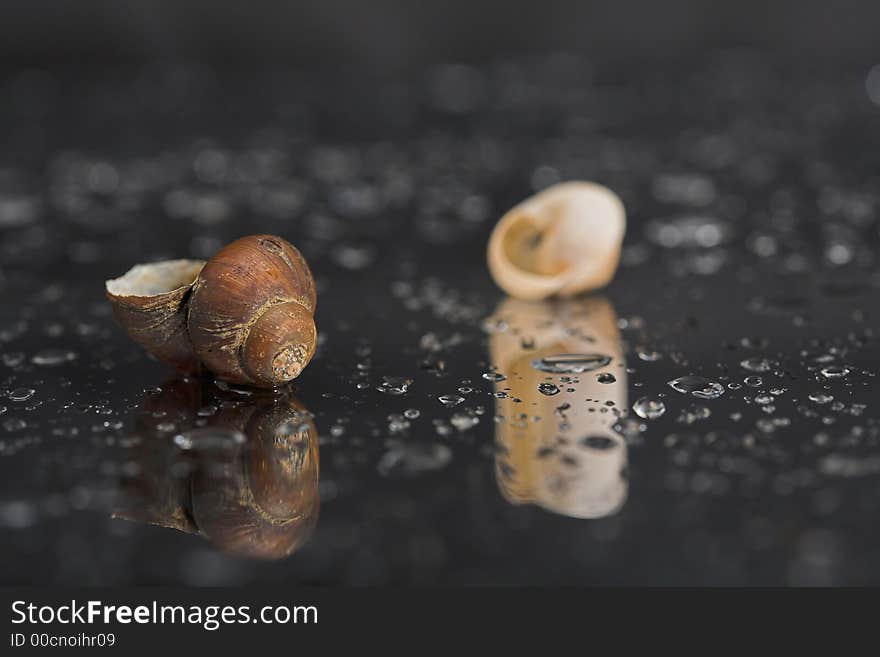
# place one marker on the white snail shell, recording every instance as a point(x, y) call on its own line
point(561, 241)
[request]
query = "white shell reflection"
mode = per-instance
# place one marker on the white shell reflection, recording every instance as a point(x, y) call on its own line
point(560, 452)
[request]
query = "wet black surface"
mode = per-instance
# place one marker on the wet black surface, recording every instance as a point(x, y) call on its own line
point(752, 193)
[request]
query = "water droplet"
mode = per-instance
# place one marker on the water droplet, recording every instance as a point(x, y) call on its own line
point(494, 376)
point(766, 425)
point(413, 459)
point(13, 358)
point(571, 363)
point(694, 414)
point(835, 371)
point(50, 357)
point(820, 397)
point(450, 400)
point(463, 421)
point(397, 423)
point(844, 465)
point(296, 429)
point(353, 257)
point(548, 389)
point(21, 394)
point(688, 231)
point(433, 365)
point(243, 391)
point(208, 410)
point(393, 385)
point(649, 408)
point(753, 381)
point(495, 325)
point(209, 438)
point(14, 424)
point(756, 364)
point(17, 514)
point(697, 386)
point(411, 413)
point(599, 442)
point(631, 428)
point(649, 355)
point(606, 377)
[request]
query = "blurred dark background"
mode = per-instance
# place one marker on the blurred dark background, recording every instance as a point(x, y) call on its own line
point(385, 33)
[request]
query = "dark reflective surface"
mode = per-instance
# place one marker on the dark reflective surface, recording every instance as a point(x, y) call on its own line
point(750, 260)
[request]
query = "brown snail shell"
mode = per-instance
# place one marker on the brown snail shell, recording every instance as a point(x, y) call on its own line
point(246, 315)
point(532, 465)
point(561, 241)
point(251, 312)
point(150, 302)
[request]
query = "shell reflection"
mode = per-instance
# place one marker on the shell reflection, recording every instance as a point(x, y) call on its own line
point(560, 452)
point(242, 473)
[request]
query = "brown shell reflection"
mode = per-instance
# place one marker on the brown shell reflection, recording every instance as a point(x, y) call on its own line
point(560, 451)
point(241, 472)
